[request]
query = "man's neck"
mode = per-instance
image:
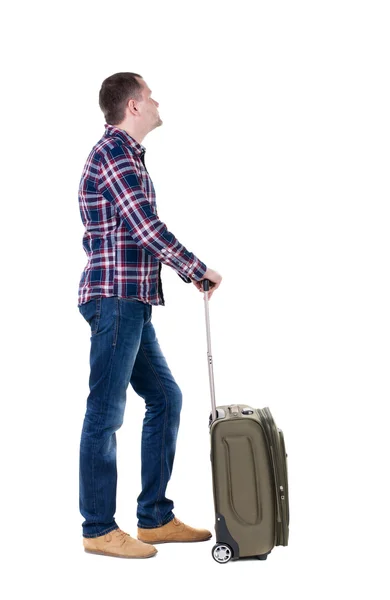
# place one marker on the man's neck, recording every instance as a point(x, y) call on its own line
point(137, 135)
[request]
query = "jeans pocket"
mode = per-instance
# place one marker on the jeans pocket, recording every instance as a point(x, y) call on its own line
point(91, 311)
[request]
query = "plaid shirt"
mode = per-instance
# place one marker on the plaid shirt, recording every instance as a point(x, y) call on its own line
point(124, 240)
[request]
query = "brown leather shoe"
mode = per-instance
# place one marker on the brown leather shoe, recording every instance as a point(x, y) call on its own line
point(174, 531)
point(120, 544)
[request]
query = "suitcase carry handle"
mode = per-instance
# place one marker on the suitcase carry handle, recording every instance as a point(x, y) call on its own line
point(206, 286)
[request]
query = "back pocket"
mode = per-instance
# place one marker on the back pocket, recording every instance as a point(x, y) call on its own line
point(91, 312)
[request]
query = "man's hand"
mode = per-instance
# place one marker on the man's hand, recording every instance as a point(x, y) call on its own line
point(214, 278)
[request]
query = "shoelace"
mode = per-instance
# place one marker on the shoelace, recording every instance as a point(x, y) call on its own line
point(122, 535)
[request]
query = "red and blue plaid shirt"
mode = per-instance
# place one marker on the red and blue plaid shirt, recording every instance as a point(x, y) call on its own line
point(124, 239)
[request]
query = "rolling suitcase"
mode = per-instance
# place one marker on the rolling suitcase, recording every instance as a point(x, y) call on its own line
point(249, 474)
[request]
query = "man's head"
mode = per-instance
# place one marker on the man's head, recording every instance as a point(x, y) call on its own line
point(126, 101)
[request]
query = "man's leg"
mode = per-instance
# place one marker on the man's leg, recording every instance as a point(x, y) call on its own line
point(153, 381)
point(116, 331)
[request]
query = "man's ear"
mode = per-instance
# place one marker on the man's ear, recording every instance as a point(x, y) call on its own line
point(131, 105)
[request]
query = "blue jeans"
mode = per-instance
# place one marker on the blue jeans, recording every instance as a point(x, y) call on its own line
point(125, 349)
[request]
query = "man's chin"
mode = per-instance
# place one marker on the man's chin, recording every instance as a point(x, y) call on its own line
point(157, 124)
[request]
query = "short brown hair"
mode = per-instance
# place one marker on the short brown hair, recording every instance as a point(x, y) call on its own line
point(114, 94)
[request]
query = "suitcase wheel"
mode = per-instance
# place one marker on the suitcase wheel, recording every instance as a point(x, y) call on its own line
point(222, 553)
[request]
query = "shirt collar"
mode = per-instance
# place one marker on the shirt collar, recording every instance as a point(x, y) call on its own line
point(111, 130)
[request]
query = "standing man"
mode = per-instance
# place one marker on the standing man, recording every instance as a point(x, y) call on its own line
point(126, 243)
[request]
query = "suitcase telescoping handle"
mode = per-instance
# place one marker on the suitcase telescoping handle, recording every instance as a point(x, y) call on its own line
point(206, 286)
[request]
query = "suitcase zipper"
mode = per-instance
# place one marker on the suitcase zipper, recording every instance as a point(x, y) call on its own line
point(278, 454)
point(285, 469)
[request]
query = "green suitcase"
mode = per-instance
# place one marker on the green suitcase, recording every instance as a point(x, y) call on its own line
point(249, 474)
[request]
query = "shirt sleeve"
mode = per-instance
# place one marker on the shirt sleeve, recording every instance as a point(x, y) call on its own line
point(119, 183)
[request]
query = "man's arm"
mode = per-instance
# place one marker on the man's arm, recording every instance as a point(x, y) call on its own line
point(119, 184)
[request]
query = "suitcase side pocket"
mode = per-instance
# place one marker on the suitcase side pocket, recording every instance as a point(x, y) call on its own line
point(243, 480)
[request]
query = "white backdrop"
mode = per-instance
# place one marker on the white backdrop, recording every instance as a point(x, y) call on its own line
point(272, 167)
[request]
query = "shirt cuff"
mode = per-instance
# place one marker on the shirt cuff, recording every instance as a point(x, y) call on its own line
point(193, 268)
point(197, 272)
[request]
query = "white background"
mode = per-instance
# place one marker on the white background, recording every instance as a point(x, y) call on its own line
point(272, 167)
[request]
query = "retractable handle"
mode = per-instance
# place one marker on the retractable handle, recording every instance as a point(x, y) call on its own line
point(206, 287)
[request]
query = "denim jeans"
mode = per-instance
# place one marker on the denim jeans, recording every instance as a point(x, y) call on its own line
point(125, 349)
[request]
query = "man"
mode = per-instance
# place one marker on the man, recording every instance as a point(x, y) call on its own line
point(126, 243)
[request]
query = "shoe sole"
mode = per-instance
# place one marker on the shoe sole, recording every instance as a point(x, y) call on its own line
point(175, 541)
point(117, 555)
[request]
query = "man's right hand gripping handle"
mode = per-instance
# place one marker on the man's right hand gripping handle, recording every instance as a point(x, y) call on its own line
point(214, 278)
